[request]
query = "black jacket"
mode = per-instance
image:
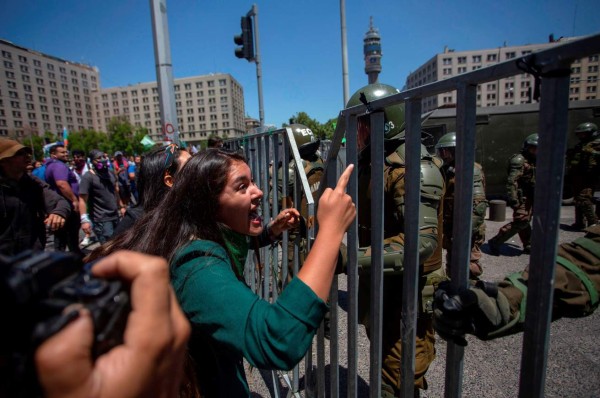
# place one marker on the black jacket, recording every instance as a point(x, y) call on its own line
point(24, 205)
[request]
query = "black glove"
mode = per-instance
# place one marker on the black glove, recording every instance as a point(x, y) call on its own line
point(478, 310)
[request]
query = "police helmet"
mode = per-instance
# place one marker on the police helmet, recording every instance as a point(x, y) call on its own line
point(447, 141)
point(394, 114)
point(588, 128)
point(306, 141)
point(531, 140)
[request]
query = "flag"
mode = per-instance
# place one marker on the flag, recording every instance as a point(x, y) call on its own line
point(194, 150)
point(147, 142)
point(66, 137)
point(47, 148)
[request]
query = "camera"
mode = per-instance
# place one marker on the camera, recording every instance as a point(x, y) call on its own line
point(40, 293)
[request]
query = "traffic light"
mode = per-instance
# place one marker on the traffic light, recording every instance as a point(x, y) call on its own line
point(245, 40)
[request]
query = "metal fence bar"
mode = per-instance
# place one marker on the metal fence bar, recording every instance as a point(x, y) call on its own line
point(462, 219)
point(376, 315)
point(549, 182)
point(410, 281)
point(352, 269)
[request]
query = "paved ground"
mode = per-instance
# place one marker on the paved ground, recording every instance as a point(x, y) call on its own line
point(491, 368)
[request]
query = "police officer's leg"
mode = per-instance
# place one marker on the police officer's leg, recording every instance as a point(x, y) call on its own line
point(587, 206)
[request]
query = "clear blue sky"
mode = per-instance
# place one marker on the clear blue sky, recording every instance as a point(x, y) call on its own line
point(300, 40)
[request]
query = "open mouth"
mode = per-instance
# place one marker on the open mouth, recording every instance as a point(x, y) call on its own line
point(255, 214)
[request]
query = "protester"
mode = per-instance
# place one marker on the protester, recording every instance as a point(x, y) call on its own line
point(99, 192)
point(28, 204)
point(209, 215)
point(121, 166)
point(134, 164)
point(157, 169)
point(64, 182)
point(150, 360)
point(39, 170)
point(214, 142)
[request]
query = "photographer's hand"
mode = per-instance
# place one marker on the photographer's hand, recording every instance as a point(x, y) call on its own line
point(148, 363)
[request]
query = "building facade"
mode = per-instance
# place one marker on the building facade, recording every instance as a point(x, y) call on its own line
point(206, 105)
point(510, 91)
point(41, 93)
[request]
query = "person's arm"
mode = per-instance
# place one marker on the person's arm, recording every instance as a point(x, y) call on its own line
point(86, 223)
point(146, 364)
point(65, 189)
point(57, 209)
point(334, 214)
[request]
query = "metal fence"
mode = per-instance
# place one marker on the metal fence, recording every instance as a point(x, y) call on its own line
point(267, 150)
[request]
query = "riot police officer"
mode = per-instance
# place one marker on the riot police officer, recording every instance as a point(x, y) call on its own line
point(313, 165)
point(432, 188)
point(520, 187)
point(583, 162)
point(445, 149)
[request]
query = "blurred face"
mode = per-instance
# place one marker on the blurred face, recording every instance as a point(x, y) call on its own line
point(446, 155)
point(79, 160)
point(239, 203)
point(19, 163)
point(61, 154)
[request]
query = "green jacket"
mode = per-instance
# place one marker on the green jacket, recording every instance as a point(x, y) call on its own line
point(230, 322)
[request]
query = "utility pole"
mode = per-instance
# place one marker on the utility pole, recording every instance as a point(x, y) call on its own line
point(250, 50)
point(164, 70)
point(344, 53)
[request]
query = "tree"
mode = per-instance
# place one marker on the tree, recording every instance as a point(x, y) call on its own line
point(323, 131)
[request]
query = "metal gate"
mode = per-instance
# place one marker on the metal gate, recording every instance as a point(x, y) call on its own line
point(266, 150)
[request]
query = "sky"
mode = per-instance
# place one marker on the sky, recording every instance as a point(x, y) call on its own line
point(300, 40)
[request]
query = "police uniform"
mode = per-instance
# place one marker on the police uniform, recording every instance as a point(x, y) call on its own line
point(432, 188)
point(496, 309)
point(520, 187)
point(478, 217)
point(584, 169)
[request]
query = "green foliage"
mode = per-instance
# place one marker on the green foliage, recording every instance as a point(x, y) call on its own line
point(121, 136)
point(323, 131)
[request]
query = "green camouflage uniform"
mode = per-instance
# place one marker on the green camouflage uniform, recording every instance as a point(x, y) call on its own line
point(495, 309)
point(478, 217)
point(313, 168)
point(584, 170)
point(520, 187)
point(432, 188)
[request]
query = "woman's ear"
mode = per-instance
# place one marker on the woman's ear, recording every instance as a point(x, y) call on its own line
point(168, 180)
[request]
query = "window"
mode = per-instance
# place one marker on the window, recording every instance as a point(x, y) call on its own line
point(462, 69)
point(50, 66)
point(198, 84)
point(476, 58)
point(592, 68)
point(590, 89)
point(462, 60)
point(187, 86)
point(447, 61)
point(222, 82)
point(593, 58)
point(10, 75)
point(510, 55)
point(6, 54)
